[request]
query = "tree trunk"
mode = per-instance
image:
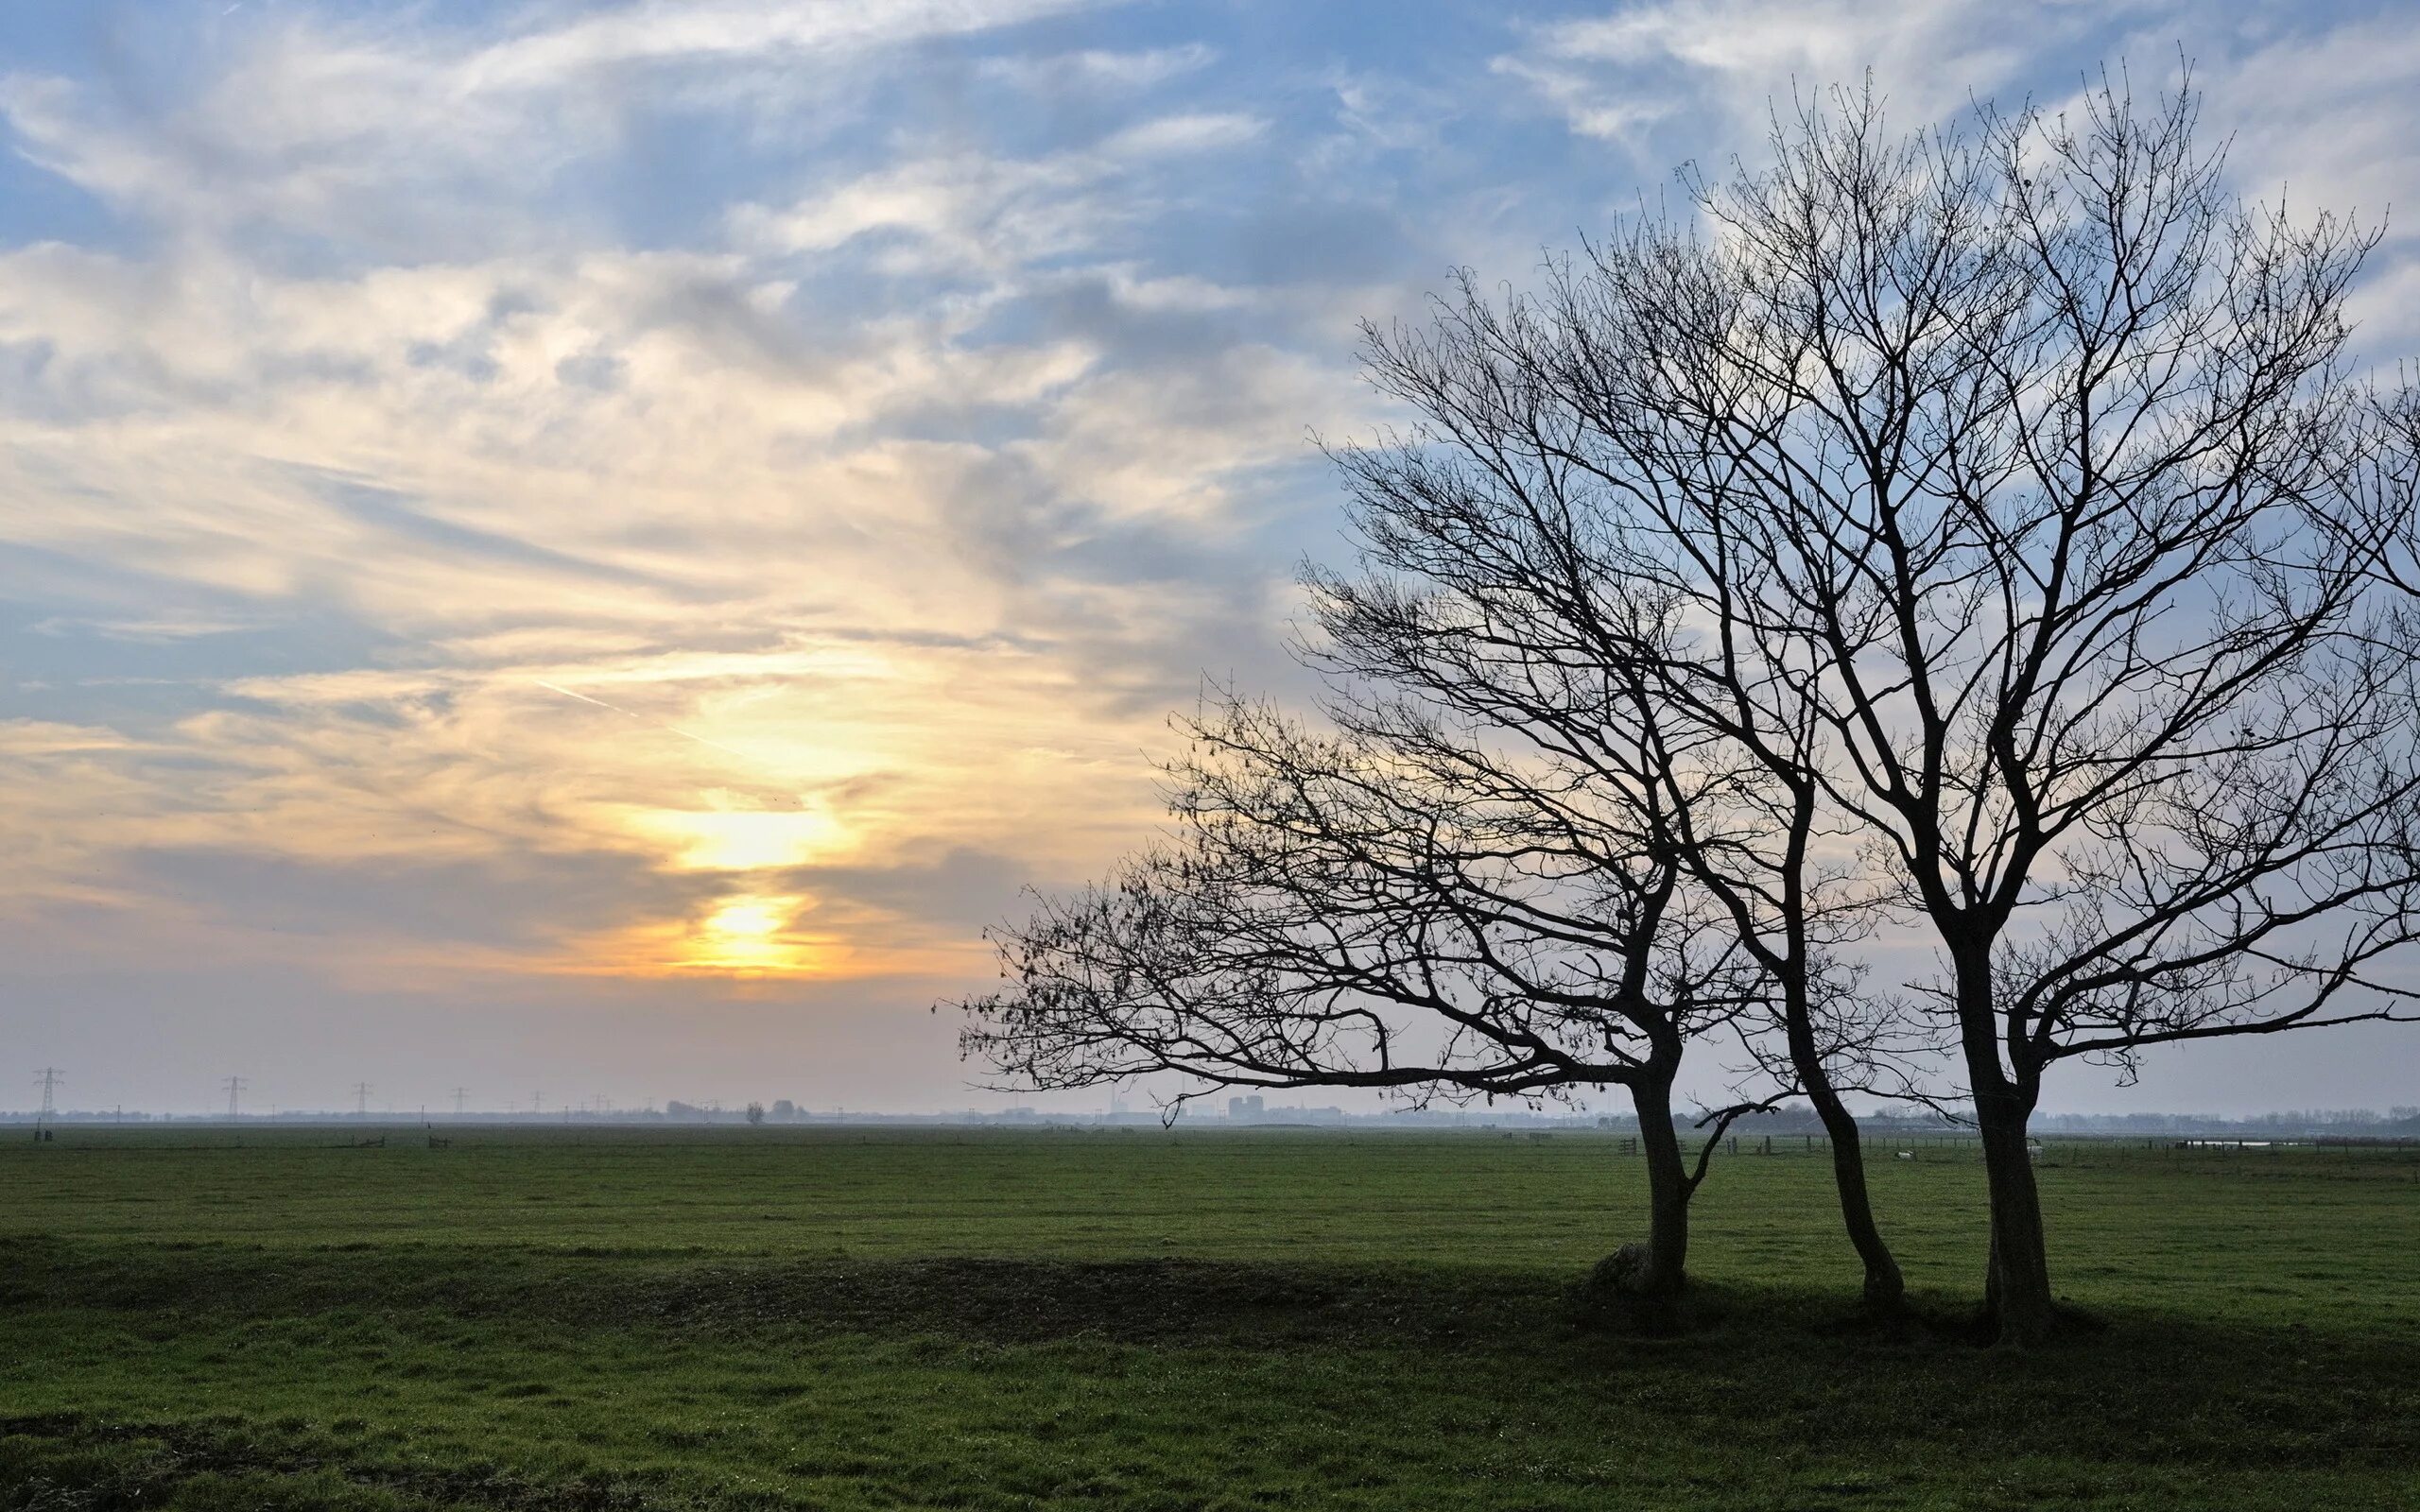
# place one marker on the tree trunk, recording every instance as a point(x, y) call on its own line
point(1885, 1290)
point(1665, 1270)
point(2018, 1285)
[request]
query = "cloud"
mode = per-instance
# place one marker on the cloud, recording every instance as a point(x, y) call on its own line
point(142, 631)
point(337, 128)
point(694, 31)
point(975, 215)
point(522, 507)
point(30, 739)
point(1205, 131)
point(2317, 100)
point(1643, 74)
point(1098, 71)
point(963, 213)
point(2325, 117)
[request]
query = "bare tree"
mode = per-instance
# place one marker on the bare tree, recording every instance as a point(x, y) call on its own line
point(2002, 498)
point(1403, 906)
point(1532, 596)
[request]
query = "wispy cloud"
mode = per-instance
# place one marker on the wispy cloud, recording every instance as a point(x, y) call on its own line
point(1095, 70)
point(725, 492)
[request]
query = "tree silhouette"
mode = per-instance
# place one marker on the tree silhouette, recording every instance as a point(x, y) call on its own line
point(1404, 903)
point(1979, 529)
point(2003, 503)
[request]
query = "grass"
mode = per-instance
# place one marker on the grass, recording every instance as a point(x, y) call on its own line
point(829, 1319)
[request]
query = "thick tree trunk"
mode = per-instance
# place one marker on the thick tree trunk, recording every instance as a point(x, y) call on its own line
point(2017, 1287)
point(1665, 1270)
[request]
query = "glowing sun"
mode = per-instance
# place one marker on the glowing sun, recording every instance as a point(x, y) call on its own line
point(749, 932)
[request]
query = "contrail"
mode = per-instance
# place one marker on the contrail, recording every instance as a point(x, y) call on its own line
point(652, 724)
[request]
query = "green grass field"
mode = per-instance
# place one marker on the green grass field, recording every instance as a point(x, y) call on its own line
point(763, 1318)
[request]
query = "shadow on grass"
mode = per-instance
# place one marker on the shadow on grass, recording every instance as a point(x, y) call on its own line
point(1166, 1302)
point(1163, 1302)
point(1759, 1374)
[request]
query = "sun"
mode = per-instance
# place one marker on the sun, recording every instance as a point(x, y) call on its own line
point(748, 934)
point(747, 919)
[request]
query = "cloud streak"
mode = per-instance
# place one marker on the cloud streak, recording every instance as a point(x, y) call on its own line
point(523, 505)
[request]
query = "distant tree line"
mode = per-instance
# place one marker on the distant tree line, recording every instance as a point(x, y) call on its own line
point(1979, 536)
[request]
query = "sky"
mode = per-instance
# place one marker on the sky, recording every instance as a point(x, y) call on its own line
point(586, 550)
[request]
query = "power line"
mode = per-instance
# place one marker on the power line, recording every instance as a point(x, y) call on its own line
point(459, 1094)
point(48, 1080)
point(234, 1086)
point(361, 1099)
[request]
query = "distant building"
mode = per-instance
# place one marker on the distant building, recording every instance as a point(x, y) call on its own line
point(784, 1108)
point(1244, 1109)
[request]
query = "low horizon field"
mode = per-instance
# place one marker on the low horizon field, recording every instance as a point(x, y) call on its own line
point(837, 1317)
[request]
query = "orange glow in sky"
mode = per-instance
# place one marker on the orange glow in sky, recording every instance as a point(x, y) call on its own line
point(750, 935)
point(746, 840)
